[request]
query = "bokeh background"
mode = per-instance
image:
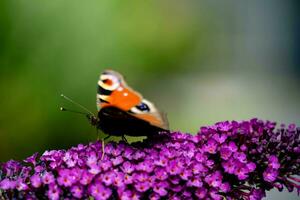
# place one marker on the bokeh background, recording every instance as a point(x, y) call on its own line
point(199, 61)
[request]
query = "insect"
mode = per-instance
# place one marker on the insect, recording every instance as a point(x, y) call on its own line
point(122, 110)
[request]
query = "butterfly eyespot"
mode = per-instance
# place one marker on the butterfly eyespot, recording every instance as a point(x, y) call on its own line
point(143, 107)
point(107, 81)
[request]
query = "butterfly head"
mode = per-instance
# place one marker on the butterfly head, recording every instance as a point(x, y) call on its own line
point(114, 91)
point(92, 119)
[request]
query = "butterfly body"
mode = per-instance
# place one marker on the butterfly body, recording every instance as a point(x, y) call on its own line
point(123, 111)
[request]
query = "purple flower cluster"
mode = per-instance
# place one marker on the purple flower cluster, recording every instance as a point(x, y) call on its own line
point(232, 160)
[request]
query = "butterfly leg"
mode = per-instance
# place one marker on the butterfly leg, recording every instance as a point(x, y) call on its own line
point(97, 130)
point(103, 146)
point(103, 149)
point(106, 137)
point(124, 139)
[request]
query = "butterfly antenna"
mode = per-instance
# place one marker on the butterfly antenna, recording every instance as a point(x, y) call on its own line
point(79, 105)
point(73, 111)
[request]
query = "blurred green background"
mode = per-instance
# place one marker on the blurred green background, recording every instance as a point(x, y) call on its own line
point(199, 61)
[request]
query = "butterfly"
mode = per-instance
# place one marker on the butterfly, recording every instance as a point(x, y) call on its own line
point(124, 111)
